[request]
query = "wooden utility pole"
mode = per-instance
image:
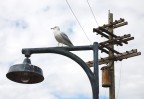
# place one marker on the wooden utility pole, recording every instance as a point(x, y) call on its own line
point(113, 55)
point(111, 62)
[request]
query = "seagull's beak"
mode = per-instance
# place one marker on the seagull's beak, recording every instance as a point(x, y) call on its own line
point(52, 28)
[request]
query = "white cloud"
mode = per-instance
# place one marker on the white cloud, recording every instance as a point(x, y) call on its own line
point(27, 23)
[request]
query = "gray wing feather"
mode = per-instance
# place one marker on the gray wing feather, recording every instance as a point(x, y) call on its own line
point(66, 37)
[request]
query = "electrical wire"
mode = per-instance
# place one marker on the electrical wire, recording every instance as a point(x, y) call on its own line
point(98, 26)
point(119, 81)
point(92, 12)
point(89, 39)
point(121, 62)
point(77, 21)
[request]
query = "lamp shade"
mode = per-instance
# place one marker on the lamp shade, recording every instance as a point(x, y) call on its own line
point(25, 73)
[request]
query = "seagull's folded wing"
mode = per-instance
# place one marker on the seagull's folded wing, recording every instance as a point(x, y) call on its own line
point(66, 38)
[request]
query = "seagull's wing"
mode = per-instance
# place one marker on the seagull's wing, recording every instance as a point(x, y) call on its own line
point(66, 38)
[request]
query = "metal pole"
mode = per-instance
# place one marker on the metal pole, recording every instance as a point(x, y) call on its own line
point(111, 62)
point(93, 77)
point(29, 51)
point(96, 69)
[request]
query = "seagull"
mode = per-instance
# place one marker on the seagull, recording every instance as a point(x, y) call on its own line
point(61, 37)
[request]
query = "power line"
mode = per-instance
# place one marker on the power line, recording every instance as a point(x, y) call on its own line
point(92, 13)
point(77, 20)
point(119, 81)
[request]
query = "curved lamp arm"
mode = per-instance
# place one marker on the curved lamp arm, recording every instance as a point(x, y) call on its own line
point(93, 76)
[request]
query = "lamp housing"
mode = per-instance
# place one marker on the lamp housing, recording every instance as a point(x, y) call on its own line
point(25, 73)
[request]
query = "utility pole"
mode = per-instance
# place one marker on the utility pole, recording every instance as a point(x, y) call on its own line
point(108, 76)
point(111, 62)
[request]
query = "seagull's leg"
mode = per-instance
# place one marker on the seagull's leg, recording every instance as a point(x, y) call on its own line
point(58, 44)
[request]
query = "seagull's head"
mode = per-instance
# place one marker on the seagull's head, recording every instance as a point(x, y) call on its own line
point(56, 28)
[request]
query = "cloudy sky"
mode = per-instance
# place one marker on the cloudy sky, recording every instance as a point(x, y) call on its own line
point(27, 23)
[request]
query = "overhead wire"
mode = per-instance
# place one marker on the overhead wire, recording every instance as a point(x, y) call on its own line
point(97, 25)
point(121, 62)
point(119, 81)
point(77, 20)
point(92, 12)
point(89, 39)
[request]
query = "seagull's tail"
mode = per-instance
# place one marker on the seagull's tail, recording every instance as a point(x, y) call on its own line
point(70, 45)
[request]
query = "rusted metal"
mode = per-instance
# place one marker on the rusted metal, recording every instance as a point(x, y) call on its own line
point(106, 78)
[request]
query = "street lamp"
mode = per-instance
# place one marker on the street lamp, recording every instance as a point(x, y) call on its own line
point(27, 73)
